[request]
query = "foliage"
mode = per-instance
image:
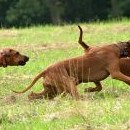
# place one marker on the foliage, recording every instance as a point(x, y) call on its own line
point(85, 10)
point(30, 12)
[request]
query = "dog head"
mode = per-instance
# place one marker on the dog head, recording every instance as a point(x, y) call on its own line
point(12, 57)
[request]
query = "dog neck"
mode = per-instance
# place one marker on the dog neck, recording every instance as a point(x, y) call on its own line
point(3, 62)
point(123, 52)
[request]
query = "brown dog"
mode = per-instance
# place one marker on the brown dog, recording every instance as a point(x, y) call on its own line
point(124, 63)
point(10, 57)
point(94, 66)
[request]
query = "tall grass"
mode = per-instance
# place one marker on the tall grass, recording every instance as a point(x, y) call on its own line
point(105, 110)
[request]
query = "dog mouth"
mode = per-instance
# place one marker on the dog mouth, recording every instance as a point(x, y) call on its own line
point(22, 63)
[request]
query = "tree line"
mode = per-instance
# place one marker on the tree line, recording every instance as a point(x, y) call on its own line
point(33, 12)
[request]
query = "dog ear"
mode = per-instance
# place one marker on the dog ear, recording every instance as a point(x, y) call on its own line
point(128, 43)
point(5, 54)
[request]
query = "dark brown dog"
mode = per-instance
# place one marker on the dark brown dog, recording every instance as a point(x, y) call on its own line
point(94, 66)
point(124, 63)
point(10, 57)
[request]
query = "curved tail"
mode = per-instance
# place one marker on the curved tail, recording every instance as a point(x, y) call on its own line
point(30, 86)
point(82, 43)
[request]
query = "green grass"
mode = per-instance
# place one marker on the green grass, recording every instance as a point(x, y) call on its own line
point(45, 45)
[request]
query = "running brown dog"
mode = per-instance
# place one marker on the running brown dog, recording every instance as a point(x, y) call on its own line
point(124, 63)
point(10, 57)
point(94, 66)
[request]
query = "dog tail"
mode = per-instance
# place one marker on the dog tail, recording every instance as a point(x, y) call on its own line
point(82, 43)
point(33, 82)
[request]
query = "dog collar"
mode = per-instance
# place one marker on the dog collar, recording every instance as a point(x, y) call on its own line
point(124, 53)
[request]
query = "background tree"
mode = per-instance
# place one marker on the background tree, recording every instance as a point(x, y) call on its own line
point(4, 6)
point(56, 9)
point(28, 12)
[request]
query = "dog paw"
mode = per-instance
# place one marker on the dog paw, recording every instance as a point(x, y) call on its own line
point(33, 96)
point(90, 89)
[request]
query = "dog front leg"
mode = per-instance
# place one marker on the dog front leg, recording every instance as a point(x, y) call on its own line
point(121, 77)
point(115, 73)
point(71, 88)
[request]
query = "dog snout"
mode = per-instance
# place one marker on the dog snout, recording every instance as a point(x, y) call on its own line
point(23, 62)
point(26, 58)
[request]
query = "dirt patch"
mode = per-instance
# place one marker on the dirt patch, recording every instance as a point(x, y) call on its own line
point(8, 33)
point(9, 99)
point(42, 47)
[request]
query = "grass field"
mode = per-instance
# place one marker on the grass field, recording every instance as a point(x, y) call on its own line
point(105, 110)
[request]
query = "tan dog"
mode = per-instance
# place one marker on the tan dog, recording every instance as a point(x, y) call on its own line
point(124, 63)
point(10, 57)
point(94, 66)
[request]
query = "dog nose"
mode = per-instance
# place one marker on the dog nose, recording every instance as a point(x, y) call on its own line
point(26, 58)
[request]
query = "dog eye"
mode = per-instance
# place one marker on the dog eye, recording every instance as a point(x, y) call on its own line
point(17, 53)
point(10, 50)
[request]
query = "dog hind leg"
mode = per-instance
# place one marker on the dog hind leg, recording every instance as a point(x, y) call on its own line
point(49, 92)
point(97, 88)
